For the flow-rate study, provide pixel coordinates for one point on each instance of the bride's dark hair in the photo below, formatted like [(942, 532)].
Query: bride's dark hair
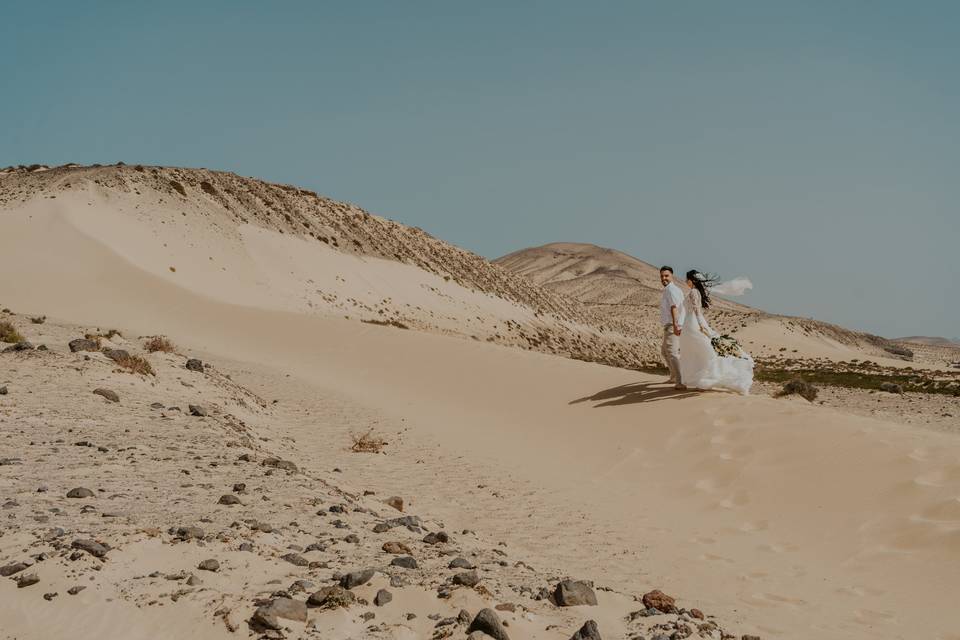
[(702, 282)]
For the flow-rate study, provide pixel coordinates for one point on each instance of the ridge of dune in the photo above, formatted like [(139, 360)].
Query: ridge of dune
[(251, 242)]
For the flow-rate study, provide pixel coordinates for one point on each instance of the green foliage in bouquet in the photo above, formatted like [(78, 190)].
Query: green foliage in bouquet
[(726, 346)]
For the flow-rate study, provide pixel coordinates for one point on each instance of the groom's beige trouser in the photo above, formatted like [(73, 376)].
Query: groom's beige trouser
[(671, 351)]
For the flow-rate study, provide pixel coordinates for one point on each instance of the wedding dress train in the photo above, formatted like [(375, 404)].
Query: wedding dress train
[(700, 366)]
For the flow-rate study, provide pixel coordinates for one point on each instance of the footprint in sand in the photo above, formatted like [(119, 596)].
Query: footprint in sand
[(775, 600), (753, 527)]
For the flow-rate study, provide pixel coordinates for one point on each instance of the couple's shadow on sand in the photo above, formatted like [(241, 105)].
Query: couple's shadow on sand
[(635, 393)]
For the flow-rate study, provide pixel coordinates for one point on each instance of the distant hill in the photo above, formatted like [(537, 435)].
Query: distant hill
[(932, 341)]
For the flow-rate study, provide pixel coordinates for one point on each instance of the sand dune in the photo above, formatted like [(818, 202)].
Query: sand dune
[(782, 518)]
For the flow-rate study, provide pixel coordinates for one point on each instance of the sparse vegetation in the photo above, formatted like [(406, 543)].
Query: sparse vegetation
[(9, 333), (868, 376), (800, 387), (159, 343), (38, 320), (135, 364), (367, 443)]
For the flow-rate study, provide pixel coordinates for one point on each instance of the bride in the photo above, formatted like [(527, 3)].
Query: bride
[(700, 366)]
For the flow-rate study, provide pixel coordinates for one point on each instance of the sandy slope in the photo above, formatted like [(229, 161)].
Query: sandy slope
[(792, 520)]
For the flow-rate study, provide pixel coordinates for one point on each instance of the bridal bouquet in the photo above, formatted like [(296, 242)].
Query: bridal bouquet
[(726, 346)]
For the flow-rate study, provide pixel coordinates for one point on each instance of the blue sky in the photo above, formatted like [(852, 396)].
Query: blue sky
[(813, 147)]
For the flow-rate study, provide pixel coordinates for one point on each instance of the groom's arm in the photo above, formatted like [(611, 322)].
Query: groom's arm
[(673, 314)]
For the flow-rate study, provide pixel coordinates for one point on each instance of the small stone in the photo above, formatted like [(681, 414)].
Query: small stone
[(696, 613), (197, 410), (396, 548), (209, 565), (187, 533), (660, 601), (332, 597), (92, 547), (467, 579), (277, 463), (239, 487), (460, 563), (194, 364), (76, 589), (80, 492), (356, 578), (83, 344), (110, 395), (589, 631), (396, 502), (437, 537), (50, 596), (20, 346), (266, 615), (3, 391), (10, 569), (26, 580), (295, 559), (404, 562), (383, 597), (228, 499), (571, 593), (486, 621)]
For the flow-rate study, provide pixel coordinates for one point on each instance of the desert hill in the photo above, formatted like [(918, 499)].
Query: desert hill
[(624, 292)]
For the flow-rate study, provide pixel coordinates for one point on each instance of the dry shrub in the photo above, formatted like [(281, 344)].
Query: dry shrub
[(38, 320), (97, 337), (367, 443), (135, 364), (800, 387), (159, 343), (9, 333)]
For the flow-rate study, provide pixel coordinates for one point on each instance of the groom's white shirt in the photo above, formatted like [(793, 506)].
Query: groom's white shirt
[(672, 296)]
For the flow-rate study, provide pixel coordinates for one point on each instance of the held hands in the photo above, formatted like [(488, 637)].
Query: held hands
[(676, 330)]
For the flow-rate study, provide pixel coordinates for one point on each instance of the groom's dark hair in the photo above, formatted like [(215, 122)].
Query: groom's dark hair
[(666, 268)]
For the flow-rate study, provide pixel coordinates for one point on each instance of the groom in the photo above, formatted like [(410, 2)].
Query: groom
[(671, 317)]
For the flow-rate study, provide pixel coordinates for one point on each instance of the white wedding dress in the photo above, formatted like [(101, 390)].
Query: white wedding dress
[(700, 366)]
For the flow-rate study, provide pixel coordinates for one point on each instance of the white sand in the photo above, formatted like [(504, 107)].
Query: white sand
[(788, 519)]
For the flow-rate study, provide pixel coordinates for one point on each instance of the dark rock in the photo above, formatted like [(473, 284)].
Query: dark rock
[(228, 499), (117, 354), (156, 405), (83, 344), (195, 365), (92, 547), (26, 580), (3, 391), (467, 579), (75, 590), (396, 502), (80, 492), (405, 562), (197, 410), (356, 578), (487, 622), (436, 537), (571, 593), (239, 487), (209, 565), (108, 394), (50, 596), (20, 346), (383, 597), (10, 569), (891, 387), (460, 563), (352, 538), (589, 631), (295, 559)]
